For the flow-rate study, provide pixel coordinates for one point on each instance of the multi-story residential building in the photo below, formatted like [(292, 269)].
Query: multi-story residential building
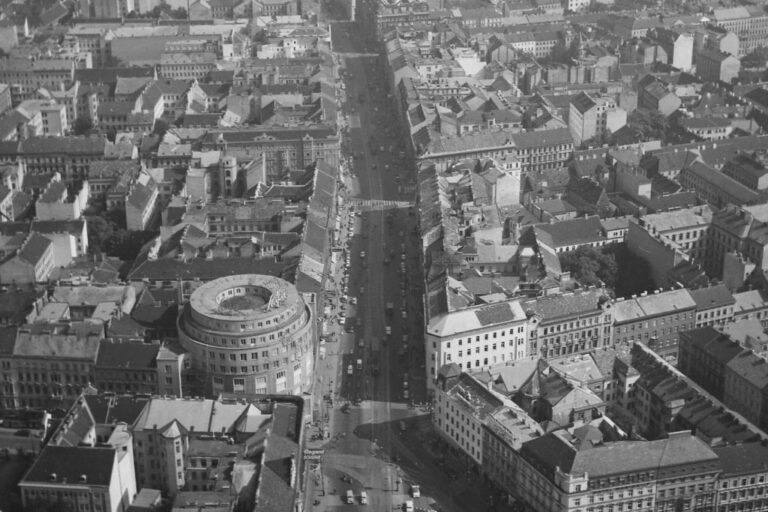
[(86, 479), (476, 338), (283, 148), (569, 235), (543, 150), (747, 170), (56, 202), (714, 305), (31, 263), (749, 22), (743, 480), (655, 320), (678, 46), (504, 432), (140, 202), (187, 66), (571, 323), (746, 387), (591, 117), (127, 368), (184, 445), (69, 156), (388, 16), (51, 363), (715, 187), (717, 66), (653, 94), (93, 39), (275, 7), (708, 128), (26, 76), (461, 404), (563, 471), (737, 229), (686, 227), (750, 305), (703, 356)]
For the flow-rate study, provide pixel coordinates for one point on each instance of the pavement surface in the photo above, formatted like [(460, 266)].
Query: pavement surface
[(371, 430)]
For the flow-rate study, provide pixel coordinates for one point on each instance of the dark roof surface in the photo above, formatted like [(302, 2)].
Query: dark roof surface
[(69, 464)]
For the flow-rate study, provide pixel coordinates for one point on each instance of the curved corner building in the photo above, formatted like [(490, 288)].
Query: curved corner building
[(249, 333)]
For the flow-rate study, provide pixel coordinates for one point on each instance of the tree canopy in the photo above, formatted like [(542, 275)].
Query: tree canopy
[(648, 124), (591, 266)]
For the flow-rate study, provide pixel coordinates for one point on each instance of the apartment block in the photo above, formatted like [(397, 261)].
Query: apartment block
[(656, 319), (571, 323), (478, 337)]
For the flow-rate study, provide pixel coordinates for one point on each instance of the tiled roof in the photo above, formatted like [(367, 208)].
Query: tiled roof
[(583, 102), (127, 356), (733, 188), (141, 195), (63, 145), (558, 306), (34, 248), (742, 459), (61, 464), (556, 450), (570, 232), (712, 297), (54, 192), (752, 368)]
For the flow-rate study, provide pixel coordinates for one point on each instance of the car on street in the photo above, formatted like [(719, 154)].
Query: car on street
[(362, 254), (405, 394), (405, 314), (416, 491), (387, 330), (350, 370), (362, 290), (359, 364)]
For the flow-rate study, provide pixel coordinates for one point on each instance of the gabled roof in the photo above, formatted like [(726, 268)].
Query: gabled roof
[(570, 232), (127, 356), (34, 248), (69, 464), (712, 297), (583, 103)]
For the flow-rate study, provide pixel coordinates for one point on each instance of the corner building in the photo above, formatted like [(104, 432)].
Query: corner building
[(248, 333)]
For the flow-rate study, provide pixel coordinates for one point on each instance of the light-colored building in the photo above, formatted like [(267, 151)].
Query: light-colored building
[(714, 305), (686, 227), (656, 320), (86, 479), (571, 323), (56, 203), (32, 263), (140, 203), (591, 116), (476, 338), (248, 334), (574, 471)]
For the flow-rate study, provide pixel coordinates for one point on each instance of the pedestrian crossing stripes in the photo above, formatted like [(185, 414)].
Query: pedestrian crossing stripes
[(378, 204)]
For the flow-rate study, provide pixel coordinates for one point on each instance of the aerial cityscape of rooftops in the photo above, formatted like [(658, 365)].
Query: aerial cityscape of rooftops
[(387, 255)]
